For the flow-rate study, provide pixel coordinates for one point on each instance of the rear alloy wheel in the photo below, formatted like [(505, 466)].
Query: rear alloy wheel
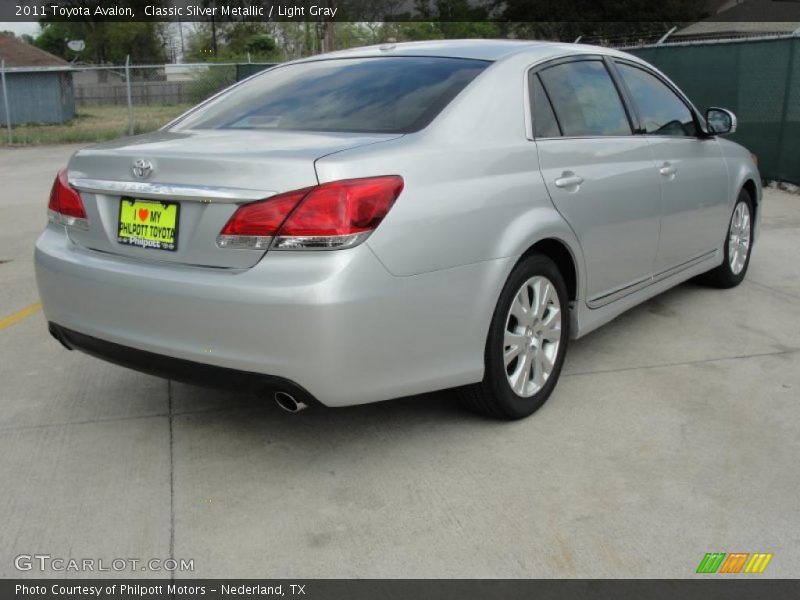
[(738, 246), (532, 336), (526, 344)]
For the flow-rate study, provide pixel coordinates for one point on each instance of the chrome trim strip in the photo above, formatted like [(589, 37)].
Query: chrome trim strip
[(173, 191), (526, 98), (620, 293), (134, 260)]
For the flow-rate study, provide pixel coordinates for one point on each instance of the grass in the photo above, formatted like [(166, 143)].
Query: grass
[(94, 124)]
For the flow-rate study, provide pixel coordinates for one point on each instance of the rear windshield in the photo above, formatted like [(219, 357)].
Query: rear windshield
[(375, 95)]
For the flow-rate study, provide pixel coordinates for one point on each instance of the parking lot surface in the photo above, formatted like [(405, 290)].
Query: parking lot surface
[(675, 431)]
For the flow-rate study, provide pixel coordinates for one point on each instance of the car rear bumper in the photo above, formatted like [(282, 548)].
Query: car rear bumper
[(177, 369), (336, 324)]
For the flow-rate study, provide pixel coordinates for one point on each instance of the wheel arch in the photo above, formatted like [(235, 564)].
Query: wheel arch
[(564, 258), (751, 188)]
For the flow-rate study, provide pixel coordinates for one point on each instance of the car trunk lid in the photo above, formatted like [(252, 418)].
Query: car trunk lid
[(206, 174)]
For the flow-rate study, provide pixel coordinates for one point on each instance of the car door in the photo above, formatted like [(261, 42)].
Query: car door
[(600, 176), (693, 175)]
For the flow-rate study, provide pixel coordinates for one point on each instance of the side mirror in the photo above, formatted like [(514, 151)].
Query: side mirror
[(720, 120)]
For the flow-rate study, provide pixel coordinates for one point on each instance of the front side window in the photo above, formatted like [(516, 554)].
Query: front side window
[(661, 111), (585, 99), (375, 95)]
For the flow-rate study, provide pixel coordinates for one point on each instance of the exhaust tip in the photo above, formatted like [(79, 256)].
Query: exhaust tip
[(288, 402)]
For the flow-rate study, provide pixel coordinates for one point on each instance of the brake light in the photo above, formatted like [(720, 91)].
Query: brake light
[(335, 215), (254, 225), (65, 206)]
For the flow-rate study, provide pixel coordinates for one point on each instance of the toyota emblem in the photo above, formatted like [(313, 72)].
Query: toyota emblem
[(142, 168)]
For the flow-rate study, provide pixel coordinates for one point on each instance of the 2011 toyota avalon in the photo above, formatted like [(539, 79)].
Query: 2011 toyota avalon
[(391, 220)]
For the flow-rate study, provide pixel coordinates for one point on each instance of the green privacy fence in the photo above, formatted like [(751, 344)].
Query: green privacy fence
[(245, 70), (757, 79)]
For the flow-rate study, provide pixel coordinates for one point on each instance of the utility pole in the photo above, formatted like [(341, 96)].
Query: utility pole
[(213, 4), (180, 32), (329, 29), (213, 36)]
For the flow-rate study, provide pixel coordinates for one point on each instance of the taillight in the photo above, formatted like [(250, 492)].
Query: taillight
[(335, 215), (65, 206), (254, 225)]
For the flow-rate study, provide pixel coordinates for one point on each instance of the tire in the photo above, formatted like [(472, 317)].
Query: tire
[(543, 342), (733, 270)]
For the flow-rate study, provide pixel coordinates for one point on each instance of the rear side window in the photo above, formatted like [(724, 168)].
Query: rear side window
[(585, 99), (544, 119), (661, 111), (376, 95)]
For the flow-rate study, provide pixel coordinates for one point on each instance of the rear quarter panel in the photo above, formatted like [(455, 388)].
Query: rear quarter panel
[(473, 191)]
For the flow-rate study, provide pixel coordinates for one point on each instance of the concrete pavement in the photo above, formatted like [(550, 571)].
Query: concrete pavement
[(675, 431)]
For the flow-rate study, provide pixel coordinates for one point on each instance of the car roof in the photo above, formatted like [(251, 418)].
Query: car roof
[(492, 50)]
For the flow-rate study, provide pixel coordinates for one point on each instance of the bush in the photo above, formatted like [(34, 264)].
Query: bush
[(207, 83)]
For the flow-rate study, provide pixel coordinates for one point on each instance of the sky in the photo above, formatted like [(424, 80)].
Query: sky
[(20, 28)]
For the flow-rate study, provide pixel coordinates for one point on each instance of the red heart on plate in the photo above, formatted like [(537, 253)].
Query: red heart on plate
[(143, 212)]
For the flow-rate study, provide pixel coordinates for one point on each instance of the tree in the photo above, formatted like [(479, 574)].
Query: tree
[(599, 11), (599, 21), (106, 41), (234, 41)]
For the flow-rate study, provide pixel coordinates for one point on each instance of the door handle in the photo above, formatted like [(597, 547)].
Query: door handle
[(568, 180), (668, 170)]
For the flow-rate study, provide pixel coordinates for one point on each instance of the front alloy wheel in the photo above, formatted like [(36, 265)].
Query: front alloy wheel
[(739, 238), (737, 248)]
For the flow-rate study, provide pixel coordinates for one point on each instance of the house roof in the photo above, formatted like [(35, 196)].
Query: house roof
[(17, 53), (758, 10), (737, 29), (747, 17), (712, 7)]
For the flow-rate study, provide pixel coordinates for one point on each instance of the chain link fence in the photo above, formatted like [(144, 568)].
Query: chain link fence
[(759, 79), (96, 103)]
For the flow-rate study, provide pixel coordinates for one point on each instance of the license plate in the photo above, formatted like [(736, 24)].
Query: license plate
[(148, 224)]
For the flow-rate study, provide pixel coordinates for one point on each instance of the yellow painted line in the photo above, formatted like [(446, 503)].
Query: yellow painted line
[(19, 315)]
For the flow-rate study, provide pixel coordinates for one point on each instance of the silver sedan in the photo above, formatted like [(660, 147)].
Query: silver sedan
[(386, 221)]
